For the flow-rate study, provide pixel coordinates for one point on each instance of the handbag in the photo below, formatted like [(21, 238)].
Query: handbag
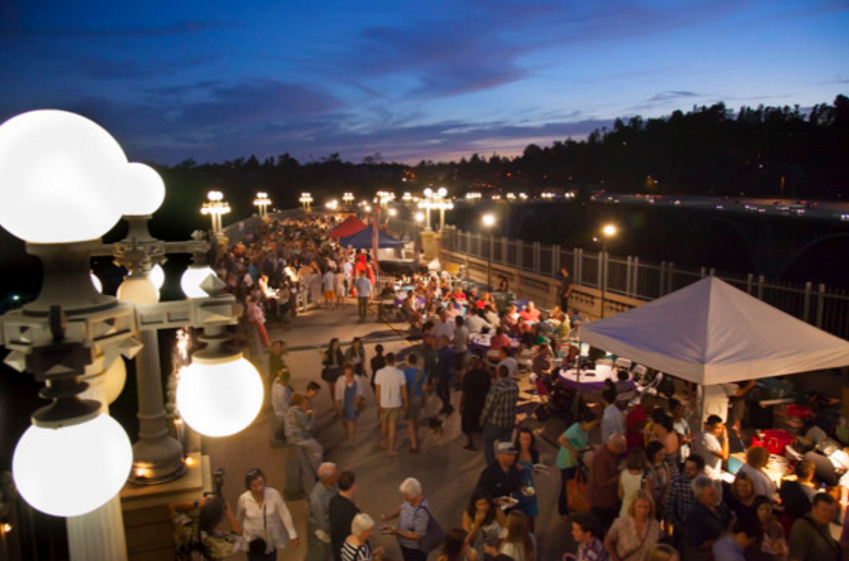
[(576, 493), (360, 404), (434, 534)]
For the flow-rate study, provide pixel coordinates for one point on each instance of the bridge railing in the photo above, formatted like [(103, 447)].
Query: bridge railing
[(632, 278)]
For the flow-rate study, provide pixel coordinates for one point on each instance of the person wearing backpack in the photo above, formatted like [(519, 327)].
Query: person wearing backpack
[(418, 532)]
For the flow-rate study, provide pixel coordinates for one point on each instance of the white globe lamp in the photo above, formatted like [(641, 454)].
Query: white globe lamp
[(72, 470), (138, 290), (144, 190), (192, 278), (58, 177), (219, 396)]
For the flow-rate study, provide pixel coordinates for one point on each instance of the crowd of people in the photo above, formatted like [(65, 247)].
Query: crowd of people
[(649, 489)]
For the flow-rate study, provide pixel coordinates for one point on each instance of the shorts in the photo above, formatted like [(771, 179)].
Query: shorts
[(459, 361), (389, 415), (737, 408), (329, 295), (415, 410)]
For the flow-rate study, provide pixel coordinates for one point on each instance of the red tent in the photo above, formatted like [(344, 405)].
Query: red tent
[(349, 227)]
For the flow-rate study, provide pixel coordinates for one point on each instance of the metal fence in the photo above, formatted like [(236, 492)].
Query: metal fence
[(827, 309)]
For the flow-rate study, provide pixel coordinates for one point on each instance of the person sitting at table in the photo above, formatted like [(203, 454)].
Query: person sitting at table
[(476, 322), (509, 319), (409, 311), (563, 330), (531, 313), (542, 368), (499, 339), (544, 326), (490, 315), (521, 327)]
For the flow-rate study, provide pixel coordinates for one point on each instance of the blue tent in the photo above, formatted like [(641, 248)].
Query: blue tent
[(362, 240)]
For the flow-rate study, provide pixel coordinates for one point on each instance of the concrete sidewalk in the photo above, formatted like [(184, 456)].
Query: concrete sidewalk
[(448, 473)]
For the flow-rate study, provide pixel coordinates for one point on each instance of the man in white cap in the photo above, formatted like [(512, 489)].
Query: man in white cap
[(501, 478)]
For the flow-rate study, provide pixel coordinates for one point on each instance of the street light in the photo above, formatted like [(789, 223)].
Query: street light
[(306, 200), (64, 182), (261, 202), (608, 231), (435, 200), (348, 199), (488, 220), (215, 207)]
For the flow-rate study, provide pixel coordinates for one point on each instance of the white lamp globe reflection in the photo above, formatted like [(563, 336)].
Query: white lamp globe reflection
[(72, 470), (157, 276), (96, 283), (219, 397), (192, 278), (58, 177), (138, 290)]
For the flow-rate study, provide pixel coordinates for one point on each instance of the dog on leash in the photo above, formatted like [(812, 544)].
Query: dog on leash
[(435, 424)]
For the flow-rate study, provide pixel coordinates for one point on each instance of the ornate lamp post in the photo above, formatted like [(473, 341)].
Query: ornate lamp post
[(215, 207), (261, 202), (64, 182), (306, 200), (608, 231), (488, 220), (348, 199)]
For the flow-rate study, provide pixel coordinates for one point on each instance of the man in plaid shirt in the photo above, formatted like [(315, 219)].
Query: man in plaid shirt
[(680, 498), (499, 413)]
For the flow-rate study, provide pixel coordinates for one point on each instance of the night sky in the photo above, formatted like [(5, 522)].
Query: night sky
[(436, 80)]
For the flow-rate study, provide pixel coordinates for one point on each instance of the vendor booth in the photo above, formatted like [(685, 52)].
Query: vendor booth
[(712, 333), (349, 227)]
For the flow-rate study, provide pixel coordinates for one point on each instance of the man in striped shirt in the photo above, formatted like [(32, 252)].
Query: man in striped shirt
[(499, 412)]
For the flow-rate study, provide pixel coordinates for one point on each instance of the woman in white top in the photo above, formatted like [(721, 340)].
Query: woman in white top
[(264, 515), (633, 478), (519, 544), (757, 459)]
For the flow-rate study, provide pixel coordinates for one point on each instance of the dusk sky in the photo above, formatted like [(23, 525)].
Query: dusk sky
[(438, 80)]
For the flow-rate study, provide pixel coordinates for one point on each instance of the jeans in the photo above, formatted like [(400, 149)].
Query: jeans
[(491, 434), (563, 500), (362, 307)]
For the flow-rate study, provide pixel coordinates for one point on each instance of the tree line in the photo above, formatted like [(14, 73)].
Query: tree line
[(763, 151)]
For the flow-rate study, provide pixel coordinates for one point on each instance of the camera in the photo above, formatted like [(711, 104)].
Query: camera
[(217, 484)]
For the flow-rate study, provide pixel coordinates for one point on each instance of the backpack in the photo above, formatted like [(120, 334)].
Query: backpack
[(434, 534)]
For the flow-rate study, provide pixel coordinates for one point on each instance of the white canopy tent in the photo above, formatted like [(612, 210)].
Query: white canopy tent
[(712, 333)]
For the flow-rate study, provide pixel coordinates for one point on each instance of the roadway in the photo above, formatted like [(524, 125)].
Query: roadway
[(448, 473)]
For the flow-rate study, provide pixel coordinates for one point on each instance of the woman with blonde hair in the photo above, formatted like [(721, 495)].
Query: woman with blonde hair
[(757, 458), (633, 535), (741, 498), (520, 544)]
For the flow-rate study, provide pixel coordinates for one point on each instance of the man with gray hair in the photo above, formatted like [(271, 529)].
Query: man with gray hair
[(318, 534), (707, 520), (603, 484)]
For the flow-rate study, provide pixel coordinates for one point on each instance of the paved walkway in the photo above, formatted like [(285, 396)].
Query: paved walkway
[(448, 473)]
